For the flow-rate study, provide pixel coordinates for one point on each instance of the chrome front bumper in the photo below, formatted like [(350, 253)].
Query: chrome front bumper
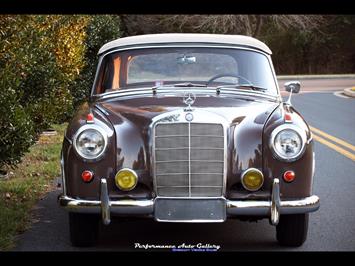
[(272, 208)]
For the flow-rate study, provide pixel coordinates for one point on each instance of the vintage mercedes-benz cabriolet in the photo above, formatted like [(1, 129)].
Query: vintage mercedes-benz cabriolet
[(188, 128)]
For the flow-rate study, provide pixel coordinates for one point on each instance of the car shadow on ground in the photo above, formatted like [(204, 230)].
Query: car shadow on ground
[(133, 235)]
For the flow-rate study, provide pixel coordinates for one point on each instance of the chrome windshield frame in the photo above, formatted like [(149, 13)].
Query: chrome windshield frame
[(102, 56)]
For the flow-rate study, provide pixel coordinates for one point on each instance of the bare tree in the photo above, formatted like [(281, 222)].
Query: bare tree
[(250, 25)]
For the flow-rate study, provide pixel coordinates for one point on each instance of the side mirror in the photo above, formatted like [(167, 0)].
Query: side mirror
[(293, 86)]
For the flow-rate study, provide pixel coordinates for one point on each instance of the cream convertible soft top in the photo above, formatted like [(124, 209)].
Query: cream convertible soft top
[(186, 38)]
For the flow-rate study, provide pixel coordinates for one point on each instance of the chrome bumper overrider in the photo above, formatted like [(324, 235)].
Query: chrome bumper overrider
[(269, 208)]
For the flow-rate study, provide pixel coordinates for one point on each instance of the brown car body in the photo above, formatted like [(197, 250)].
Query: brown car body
[(127, 118)]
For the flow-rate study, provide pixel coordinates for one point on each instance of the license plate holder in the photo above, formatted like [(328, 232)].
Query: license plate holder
[(190, 210)]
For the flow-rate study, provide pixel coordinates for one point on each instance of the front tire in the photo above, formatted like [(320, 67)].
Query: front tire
[(83, 229), (292, 229)]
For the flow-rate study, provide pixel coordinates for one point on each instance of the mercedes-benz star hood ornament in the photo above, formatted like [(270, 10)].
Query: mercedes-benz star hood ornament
[(189, 99)]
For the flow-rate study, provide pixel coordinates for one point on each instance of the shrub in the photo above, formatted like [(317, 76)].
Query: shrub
[(40, 58), (16, 127), (58, 52), (100, 29)]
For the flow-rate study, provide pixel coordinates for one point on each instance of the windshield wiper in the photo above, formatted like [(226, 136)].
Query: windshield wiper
[(181, 85), (237, 86), (188, 84)]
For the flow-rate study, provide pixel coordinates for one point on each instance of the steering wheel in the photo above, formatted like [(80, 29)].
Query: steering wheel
[(228, 75)]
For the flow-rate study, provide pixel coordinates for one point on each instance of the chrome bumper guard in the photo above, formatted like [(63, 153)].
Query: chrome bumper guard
[(272, 208)]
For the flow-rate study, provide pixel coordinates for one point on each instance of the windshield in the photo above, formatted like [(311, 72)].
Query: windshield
[(149, 67)]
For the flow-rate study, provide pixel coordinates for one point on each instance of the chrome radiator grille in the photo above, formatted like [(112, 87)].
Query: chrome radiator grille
[(189, 159)]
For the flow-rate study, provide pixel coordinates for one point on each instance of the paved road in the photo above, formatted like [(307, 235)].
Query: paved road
[(332, 228), (322, 85)]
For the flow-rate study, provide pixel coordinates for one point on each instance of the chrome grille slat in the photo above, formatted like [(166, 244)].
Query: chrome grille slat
[(185, 148), (188, 173), (191, 186), (171, 161), (189, 159), (169, 136)]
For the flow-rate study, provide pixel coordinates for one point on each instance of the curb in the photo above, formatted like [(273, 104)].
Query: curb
[(349, 92), (339, 76)]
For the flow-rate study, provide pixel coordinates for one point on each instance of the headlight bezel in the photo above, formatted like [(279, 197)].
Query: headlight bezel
[(299, 131), (90, 127)]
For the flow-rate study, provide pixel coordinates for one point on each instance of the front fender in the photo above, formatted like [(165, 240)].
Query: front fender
[(74, 165), (273, 168)]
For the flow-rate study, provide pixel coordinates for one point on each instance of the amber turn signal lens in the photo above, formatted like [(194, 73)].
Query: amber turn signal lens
[(87, 176), (289, 176), (126, 179), (252, 179)]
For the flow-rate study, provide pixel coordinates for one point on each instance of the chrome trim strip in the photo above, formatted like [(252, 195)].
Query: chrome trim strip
[(102, 110), (105, 202), (275, 202), (67, 139), (313, 166), (63, 173), (310, 138), (173, 92)]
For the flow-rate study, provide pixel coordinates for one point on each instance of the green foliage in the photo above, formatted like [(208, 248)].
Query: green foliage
[(16, 126), (47, 67), (100, 30), (40, 57)]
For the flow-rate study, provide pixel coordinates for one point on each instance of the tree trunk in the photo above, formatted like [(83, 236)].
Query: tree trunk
[(123, 25), (259, 21)]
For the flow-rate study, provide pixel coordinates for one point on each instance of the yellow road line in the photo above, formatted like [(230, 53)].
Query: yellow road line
[(335, 147), (336, 140)]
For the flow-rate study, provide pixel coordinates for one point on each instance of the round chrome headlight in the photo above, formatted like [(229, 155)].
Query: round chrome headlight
[(90, 142), (288, 142)]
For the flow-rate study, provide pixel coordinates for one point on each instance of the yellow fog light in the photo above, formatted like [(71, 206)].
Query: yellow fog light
[(252, 179), (126, 179)]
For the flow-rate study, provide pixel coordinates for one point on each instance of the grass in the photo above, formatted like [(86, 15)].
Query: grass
[(27, 184)]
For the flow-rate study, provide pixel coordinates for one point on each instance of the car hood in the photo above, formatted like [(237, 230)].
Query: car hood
[(142, 110)]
